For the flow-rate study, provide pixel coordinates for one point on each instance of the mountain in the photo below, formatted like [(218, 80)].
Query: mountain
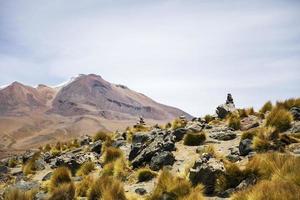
[(30, 116)]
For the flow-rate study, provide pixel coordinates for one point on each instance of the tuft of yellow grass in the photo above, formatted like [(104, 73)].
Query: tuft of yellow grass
[(86, 168), (194, 139), (280, 119)]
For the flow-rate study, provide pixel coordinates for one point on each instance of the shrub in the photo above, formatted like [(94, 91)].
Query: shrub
[(178, 123), (55, 152), (116, 169), (196, 193), (12, 162), (145, 174), (108, 188), (101, 135), (264, 139), (280, 119), (266, 107), (243, 113), (175, 186), (16, 194), (208, 118), (270, 190), (60, 176), (86, 168), (288, 104), (83, 187), (248, 134), (30, 166), (112, 154), (234, 122), (65, 191), (47, 148), (194, 139)]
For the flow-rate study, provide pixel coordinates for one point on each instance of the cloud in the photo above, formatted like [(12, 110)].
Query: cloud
[(183, 53)]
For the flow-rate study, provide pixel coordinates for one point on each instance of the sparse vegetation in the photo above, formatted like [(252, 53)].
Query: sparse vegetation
[(145, 174), (108, 188), (112, 154), (288, 104), (280, 119), (117, 168), (264, 139), (234, 122), (12, 162), (266, 107), (61, 175), (31, 166), (83, 187), (101, 135), (208, 118), (243, 113), (194, 139), (17, 194), (178, 123), (210, 150), (86, 168), (177, 187), (65, 191), (248, 134)]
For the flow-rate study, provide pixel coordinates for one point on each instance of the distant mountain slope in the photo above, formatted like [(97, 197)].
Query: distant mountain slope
[(90, 94), (31, 116)]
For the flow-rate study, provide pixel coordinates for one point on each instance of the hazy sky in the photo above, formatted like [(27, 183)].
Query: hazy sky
[(183, 53)]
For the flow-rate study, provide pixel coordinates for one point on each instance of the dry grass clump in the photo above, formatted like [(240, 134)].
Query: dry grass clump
[(289, 103), (279, 118), (60, 176), (194, 139), (266, 107), (210, 149), (208, 118), (86, 168), (270, 190), (16, 194), (111, 154), (264, 139), (117, 169), (83, 187), (234, 122), (12, 162), (107, 188), (178, 123), (248, 134), (145, 174), (279, 175), (30, 166), (65, 191), (177, 187), (243, 113), (101, 135), (233, 176)]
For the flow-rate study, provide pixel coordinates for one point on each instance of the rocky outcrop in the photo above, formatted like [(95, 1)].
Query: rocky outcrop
[(295, 112), (245, 147), (145, 146), (206, 170), (222, 133), (223, 110), (161, 159)]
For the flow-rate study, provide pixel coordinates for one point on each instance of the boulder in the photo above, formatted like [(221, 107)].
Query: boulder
[(47, 176), (27, 185), (223, 110), (3, 169), (96, 147), (27, 156), (179, 133), (143, 150), (162, 159), (140, 191), (224, 135), (85, 140), (295, 112), (245, 147), (206, 170), (140, 138)]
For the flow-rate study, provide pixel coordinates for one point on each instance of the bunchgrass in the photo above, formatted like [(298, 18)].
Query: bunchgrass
[(194, 139)]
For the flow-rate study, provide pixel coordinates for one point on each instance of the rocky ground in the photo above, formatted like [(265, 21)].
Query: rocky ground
[(155, 147)]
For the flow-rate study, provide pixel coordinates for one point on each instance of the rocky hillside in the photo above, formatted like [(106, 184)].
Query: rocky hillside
[(234, 154), (33, 116)]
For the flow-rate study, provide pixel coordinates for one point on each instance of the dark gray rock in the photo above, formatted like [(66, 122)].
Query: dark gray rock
[(140, 138), (223, 110), (141, 191), (245, 147), (162, 159), (27, 156), (179, 133), (206, 170), (135, 150), (96, 147), (47, 176), (295, 112), (26, 185), (85, 140), (3, 169)]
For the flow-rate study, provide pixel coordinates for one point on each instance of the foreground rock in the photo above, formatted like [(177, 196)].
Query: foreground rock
[(223, 110), (205, 171), (157, 144), (245, 147)]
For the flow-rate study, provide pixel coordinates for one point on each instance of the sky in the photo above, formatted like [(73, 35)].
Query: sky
[(184, 53)]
